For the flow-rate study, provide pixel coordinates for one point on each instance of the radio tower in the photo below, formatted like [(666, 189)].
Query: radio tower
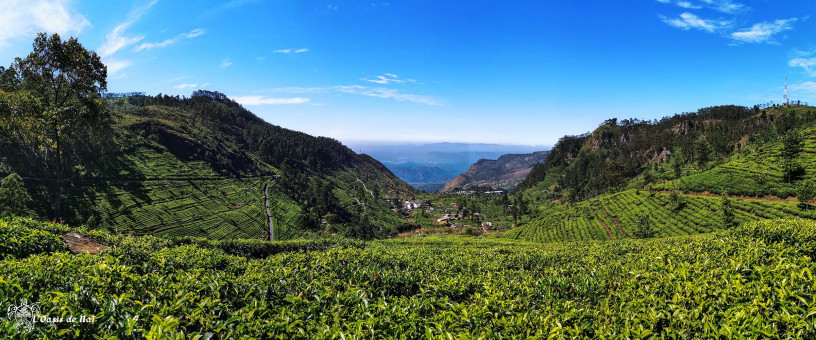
[(785, 96)]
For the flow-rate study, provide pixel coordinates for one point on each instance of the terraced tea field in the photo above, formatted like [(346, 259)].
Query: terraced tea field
[(614, 216), (757, 171)]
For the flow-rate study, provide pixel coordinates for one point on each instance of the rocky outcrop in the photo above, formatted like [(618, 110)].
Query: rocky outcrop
[(505, 173)]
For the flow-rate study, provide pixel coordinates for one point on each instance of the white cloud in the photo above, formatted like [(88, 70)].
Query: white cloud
[(292, 50), (192, 34), (116, 65), (804, 90), (116, 40), (764, 31), (388, 78), (725, 6), (381, 92), (25, 18), (185, 86), (688, 5), (262, 100), (808, 64), (226, 63), (689, 21)]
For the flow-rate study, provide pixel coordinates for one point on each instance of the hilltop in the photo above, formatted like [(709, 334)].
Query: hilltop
[(505, 172)]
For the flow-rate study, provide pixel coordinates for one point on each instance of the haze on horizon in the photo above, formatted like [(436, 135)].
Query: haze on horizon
[(520, 73)]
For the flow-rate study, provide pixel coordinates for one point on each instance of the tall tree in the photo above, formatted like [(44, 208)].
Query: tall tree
[(13, 196), (59, 106), (792, 145)]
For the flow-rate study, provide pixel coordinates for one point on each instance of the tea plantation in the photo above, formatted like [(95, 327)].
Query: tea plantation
[(614, 216), (752, 281)]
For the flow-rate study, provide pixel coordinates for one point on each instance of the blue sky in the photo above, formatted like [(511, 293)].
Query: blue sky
[(511, 72)]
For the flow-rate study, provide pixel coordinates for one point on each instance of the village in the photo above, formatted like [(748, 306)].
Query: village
[(460, 212)]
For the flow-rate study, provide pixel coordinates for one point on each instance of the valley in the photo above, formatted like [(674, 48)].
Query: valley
[(172, 217)]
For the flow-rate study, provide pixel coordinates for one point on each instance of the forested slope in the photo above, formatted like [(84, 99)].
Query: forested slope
[(198, 166)]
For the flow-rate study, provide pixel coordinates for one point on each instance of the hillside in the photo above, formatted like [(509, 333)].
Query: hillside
[(635, 154), (605, 184), (505, 172), (615, 216), (452, 287), (205, 166)]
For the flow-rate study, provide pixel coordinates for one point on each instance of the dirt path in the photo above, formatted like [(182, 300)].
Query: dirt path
[(614, 219), (365, 188), (268, 212), (608, 231)]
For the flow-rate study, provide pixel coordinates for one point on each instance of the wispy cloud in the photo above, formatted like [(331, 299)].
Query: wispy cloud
[(192, 34), (115, 65), (226, 63), (116, 39), (805, 89), (191, 86), (292, 50), (381, 92), (725, 6), (24, 18), (763, 32), (262, 100), (805, 61), (378, 92), (388, 78), (688, 21)]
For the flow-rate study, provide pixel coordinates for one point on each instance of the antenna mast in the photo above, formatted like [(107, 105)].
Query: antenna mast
[(785, 96)]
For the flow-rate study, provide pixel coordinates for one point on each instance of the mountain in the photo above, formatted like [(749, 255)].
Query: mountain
[(505, 172), (429, 166), (205, 166)]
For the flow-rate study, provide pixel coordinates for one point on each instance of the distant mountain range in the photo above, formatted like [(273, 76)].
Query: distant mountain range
[(429, 167), (506, 172)]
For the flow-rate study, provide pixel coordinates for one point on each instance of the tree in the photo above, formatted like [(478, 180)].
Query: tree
[(13, 196), (677, 167), (58, 110), (702, 150), (727, 212), (643, 228), (676, 201), (806, 192), (792, 145)]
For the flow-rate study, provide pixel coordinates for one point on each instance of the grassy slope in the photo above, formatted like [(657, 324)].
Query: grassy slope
[(753, 281)]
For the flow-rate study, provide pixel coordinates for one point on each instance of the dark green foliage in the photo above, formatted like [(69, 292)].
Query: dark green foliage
[(702, 151), (727, 212), (806, 192), (13, 196), (644, 228), (792, 145), (676, 202), (55, 128)]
